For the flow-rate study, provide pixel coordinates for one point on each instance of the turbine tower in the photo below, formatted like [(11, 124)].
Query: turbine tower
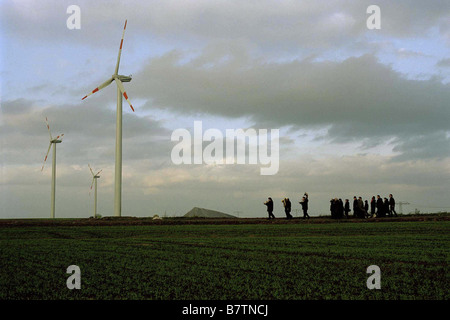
[(119, 79), (94, 182), (53, 188)]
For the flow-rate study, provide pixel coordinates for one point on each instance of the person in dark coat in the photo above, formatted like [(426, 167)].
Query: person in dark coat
[(373, 205), (355, 207), (361, 213), (341, 209), (347, 207), (366, 208), (392, 205), (332, 209), (380, 207), (386, 207), (304, 204), (269, 204), (287, 207)]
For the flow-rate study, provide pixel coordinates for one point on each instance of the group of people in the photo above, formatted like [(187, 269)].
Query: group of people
[(287, 207), (378, 207)]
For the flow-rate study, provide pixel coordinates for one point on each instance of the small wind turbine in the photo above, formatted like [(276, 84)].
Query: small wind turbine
[(94, 182), (120, 91), (52, 142)]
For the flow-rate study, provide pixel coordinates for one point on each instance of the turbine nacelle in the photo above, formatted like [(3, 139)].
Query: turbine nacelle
[(122, 78)]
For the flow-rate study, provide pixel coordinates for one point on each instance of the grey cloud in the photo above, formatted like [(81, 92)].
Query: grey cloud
[(436, 146), (357, 99), (444, 63), (268, 23), (89, 133)]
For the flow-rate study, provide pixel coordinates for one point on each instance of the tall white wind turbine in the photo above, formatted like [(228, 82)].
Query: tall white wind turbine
[(119, 79), (95, 176), (52, 142)]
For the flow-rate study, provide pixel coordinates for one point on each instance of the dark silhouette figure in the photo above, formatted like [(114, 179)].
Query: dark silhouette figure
[(386, 207), (392, 205), (361, 212), (347, 207), (355, 207), (340, 209), (332, 209), (304, 204), (287, 207), (373, 205), (269, 204), (380, 207), (366, 208)]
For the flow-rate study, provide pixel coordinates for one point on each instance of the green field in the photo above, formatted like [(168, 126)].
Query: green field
[(297, 261)]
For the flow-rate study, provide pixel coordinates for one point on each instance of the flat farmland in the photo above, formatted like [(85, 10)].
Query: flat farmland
[(208, 259)]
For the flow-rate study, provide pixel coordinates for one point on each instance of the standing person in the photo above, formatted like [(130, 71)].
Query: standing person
[(346, 207), (361, 208), (340, 209), (373, 204), (366, 208), (304, 204), (392, 204), (269, 204), (380, 207), (386, 207), (355, 207), (287, 207), (332, 209)]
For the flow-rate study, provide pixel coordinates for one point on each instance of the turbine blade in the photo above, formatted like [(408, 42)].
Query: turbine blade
[(91, 170), (48, 128), (100, 87), (91, 186), (98, 172), (120, 49), (49, 146), (60, 136), (124, 93)]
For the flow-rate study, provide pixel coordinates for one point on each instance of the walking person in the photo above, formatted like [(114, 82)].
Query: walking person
[(392, 205), (332, 209), (380, 207), (373, 205), (355, 207), (386, 207), (269, 204), (361, 213), (347, 207), (287, 207), (366, 208), (304, 204)]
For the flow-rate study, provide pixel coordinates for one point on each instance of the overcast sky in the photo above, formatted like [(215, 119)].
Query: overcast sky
[(360, 112)]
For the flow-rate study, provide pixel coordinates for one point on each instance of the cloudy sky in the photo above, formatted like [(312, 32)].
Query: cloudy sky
[(360, 112)]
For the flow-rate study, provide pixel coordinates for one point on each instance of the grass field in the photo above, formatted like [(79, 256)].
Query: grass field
[(296, 260)]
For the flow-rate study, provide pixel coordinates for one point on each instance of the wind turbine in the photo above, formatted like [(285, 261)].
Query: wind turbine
[(52, 142), (119, 79), (94, 181)]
